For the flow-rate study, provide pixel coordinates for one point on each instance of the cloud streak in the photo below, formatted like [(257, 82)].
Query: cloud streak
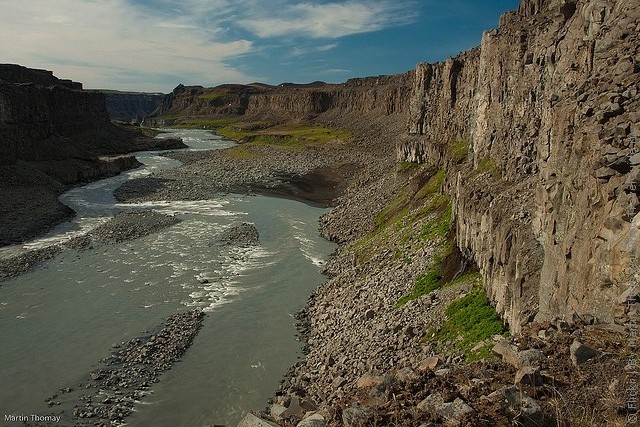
[(79, 38), (144, 44), (329, 20)]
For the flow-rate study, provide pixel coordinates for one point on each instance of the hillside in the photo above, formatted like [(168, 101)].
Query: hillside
[(54, 134)]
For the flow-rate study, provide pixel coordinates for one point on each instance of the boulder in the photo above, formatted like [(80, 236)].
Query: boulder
[(369, 380), (313, 420), (251, 420), (355, 416), (580, 353), (528, 375), (430, 363)]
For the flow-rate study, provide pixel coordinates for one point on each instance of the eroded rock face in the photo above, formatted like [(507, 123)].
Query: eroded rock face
[(550, 100)]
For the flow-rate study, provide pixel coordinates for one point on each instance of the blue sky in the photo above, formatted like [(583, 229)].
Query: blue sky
[(153, 45)]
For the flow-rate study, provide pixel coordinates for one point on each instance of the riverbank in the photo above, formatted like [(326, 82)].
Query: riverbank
[(32, 188)]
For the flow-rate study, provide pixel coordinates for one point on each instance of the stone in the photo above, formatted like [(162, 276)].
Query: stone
[(314, 420), (338, 382), (406, 375), (430, 363), (355, 416), (276, 410), (529, 357), (251, 420), (528, 375), (455, 410), (369, 380), (442, 372), (527, 410), (581, 353), (298, 408), (431, 403)]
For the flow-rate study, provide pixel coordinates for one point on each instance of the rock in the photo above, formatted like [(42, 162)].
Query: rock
[(515, 358), (276, 411), (580, 353), (455, 410), (529, 357), (431, 403), (338, 382), (355, 416), (245, 234), (528, 411), (251, 420), (298, 408), (528, 375), (442, 372), (313, 420), (369, 380), (506, 352), (430, 363), (406, 375)]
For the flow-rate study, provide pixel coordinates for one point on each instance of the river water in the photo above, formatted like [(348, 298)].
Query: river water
[(58, 321)]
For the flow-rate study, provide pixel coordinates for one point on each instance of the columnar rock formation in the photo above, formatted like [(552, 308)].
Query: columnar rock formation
[(547, 108), (550, 102)]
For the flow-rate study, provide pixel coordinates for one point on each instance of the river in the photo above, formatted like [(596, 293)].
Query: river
[(58, 321)]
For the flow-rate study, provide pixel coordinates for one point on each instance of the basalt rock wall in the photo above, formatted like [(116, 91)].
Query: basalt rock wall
[(131, 106), (382, 95), (547, 203), (32, 116), (385, 95)]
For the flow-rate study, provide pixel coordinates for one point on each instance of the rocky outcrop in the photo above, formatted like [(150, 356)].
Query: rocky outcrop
[(54, 134), (19, 74), (384, 95), (548, 108), (131, 106)]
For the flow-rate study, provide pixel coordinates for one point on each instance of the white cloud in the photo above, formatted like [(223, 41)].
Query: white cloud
[(329, 20), (152, 44), (95, 42)]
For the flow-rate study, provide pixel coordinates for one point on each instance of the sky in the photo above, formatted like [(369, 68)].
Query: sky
[(154, 45)]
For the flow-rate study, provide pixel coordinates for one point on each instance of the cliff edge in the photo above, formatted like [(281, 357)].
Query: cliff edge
[(547, 109)]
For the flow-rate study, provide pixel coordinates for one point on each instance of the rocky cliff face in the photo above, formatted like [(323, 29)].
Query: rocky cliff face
[(384, 95), (52, 134), (128, 106), (32, 116), (548, 107)]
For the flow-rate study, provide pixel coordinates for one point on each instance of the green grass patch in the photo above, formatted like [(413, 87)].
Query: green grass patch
[(215, 99), (459, 150), (150, 132), (470, 320), (242, 152), (407, 166), (433, 186), (487, 165), (441, 224), (426, 283), (202, 122), (290, 136)]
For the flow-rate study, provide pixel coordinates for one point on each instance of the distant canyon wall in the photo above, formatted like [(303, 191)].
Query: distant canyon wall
[(33, 113), (384, 95), (548, 105)]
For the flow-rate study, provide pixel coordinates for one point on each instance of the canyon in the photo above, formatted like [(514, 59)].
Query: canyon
[(53, 135), (529, 142), (537, 129)]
